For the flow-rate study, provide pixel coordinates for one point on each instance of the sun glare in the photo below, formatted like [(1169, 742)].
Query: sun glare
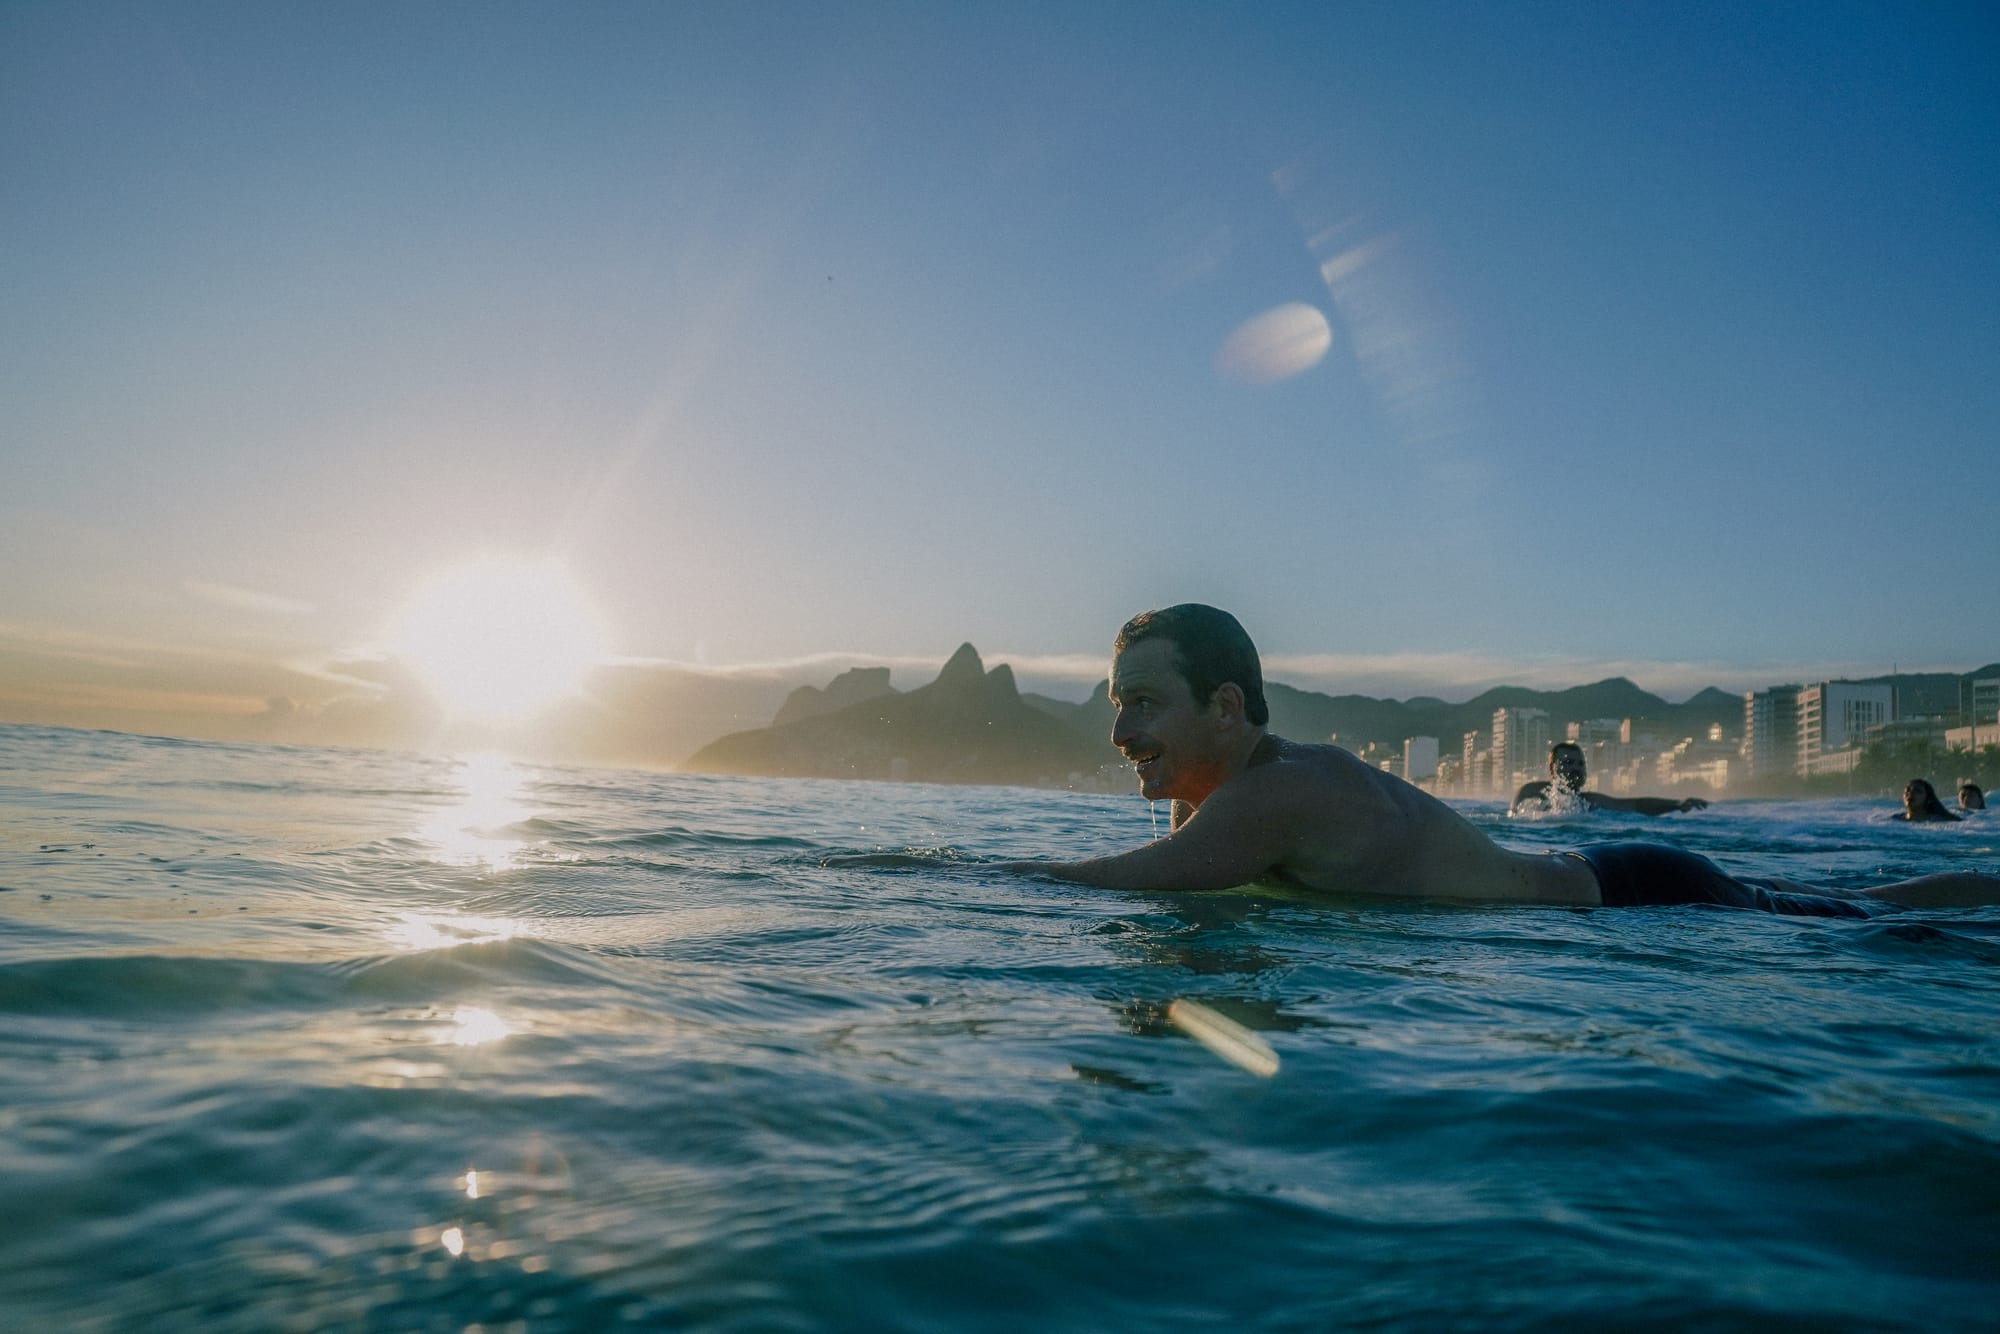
[(499, 640)]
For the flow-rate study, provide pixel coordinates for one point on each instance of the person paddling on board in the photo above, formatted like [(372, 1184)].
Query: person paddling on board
[(1566, 775), (1249, 805)]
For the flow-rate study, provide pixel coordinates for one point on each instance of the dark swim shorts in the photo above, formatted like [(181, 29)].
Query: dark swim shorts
[(1633, 875)]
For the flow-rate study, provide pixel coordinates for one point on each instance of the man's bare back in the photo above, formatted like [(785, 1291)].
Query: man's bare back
[(1333, 823)]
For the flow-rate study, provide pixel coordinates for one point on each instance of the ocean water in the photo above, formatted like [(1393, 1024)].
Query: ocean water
[(302, 1039)]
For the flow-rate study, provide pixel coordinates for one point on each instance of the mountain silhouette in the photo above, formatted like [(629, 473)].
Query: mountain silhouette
[(969, 725), (855, 686)]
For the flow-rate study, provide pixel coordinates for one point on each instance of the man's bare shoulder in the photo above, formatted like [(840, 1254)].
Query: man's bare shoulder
[(1295, 771), (1302, 759)]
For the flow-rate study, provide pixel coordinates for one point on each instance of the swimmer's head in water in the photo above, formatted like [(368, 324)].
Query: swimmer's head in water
[(1920, 799), (1566, 767), (1970, 798), (1212, 648)]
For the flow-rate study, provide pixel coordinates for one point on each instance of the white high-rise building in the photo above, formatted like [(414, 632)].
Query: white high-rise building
[(1985, 702), (1771, 731), (1979, 714), (1595, 730), (1834, 718), (1520, 745)]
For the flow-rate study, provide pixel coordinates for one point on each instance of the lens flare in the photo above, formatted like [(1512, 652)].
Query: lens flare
[(1278, 344), (499, 641)]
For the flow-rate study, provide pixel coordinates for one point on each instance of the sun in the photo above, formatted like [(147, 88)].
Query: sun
[(499, 640)]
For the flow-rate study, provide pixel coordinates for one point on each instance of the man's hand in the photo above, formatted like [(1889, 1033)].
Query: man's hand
[(1597, 801)]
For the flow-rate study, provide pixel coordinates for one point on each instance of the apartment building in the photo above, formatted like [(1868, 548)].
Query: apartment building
[(1520, 745), (1833, 721), (1771, 731)]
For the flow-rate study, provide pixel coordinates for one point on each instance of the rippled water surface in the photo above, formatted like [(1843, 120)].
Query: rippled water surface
[(321, 1040)]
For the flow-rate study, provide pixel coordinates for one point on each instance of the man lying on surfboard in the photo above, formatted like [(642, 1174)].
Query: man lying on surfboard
[(1249, 806)]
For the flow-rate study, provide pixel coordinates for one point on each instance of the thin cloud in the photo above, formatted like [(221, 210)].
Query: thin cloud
[(76, 645), (1089, 668), (68, 642), (133, 699), (58, 641), (1448, 675), (1085, 668), (779, 668), (246, 599)]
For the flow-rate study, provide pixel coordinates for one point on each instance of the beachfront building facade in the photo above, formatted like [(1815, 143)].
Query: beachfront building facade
[(1709, 760), (1981, 714), (1597, 731), (1788, 731), (1833, 721), (1472, 775), (1771, 731), (1985, 693), (1520, 746)]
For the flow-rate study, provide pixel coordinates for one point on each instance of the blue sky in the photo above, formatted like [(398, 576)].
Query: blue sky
[(1663, 338)]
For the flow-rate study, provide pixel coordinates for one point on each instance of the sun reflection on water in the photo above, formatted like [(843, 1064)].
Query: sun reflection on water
[(474, 1026), (415, 931), (476, 830), (492, 1228)]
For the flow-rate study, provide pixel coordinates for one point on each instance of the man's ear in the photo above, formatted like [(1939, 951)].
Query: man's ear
[(1228, 701)]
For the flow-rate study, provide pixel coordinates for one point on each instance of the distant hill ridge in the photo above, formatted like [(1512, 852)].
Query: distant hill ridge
[(854, 686), (971, 725), (968, 726), (1357, 720)]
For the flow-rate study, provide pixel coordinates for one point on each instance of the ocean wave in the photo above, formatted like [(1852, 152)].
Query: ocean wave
[(333, 1041)]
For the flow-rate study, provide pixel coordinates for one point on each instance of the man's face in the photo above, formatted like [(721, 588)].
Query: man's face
[(1174, 743), (1567, 769)]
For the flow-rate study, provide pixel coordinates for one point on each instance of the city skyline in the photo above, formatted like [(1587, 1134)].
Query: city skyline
[(1788, 731), (1448, 346)]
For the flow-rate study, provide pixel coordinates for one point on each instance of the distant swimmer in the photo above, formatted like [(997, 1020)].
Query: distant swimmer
[(1921, 804), (1566, 775), (1970, 798), (1251, 806)]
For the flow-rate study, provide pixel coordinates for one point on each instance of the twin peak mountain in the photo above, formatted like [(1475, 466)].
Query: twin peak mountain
[(968, 726)]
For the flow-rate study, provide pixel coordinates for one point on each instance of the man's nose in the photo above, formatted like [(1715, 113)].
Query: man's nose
[(1121, 731)]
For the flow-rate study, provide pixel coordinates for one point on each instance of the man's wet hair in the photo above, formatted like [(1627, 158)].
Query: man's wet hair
[(1212, 647), (1564, 745)]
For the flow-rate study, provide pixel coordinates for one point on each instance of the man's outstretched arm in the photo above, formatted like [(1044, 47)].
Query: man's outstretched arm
[(1643, 805), (1238, 836)]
